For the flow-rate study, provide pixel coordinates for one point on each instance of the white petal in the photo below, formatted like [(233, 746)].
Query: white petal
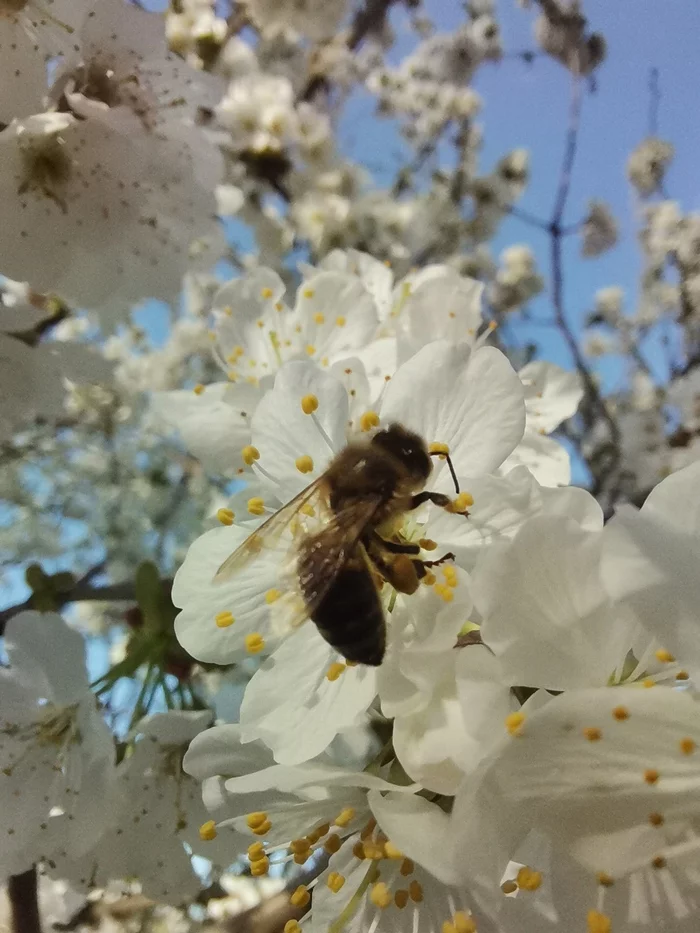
[(552, 394), (547, 459), (292, 706), (282, 432), (418, 828), (202, 600), (47, 655), (472, 402), (675, 500), (219, 750), (214, 426), (545, 614), (176, 727)]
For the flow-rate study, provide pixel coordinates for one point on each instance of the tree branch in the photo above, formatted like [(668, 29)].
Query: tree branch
[(24, 902), (81, 591)]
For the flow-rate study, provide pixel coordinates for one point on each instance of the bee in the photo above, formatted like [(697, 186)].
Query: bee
[(341, 567)]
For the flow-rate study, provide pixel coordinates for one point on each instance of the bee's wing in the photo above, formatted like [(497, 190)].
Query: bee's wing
[(323, 556), (268, 534)]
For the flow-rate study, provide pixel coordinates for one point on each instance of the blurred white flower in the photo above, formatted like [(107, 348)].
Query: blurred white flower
[(599, 231), (57, 754), (647, 165)]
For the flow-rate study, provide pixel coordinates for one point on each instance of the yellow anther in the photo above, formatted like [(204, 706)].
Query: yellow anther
[(369, 420), (649, 682), (605, 880), (461, 502), (263, 829), (324, 361), (373, 850), (332, 844), (358, 850), (279, 306), (212, 336), (527, 879), (621, 713), (317, 833), (304, 464), (309, 404), (344, 817), (428, 544), (407, 867), (223, 619), (225, 516), (514, 722), (682, 675), (401, 898), (250, 454), (238, 350), (308, 293), (310, 349), (656, 819), (257, 818), (260, 324), (335, 881), (380, 895), (308, 509), (301, 857), (256, 851), (448, 927), (463, 923), (392, 851), (688, 746), (300, 845), (664, 656), (272, 596), (260, 868), (232, 358), (340, 321), (291, 926), (334, 671), (319, 318), (351, 663), (256, 506), (415, 891), (266, 293), (444, 592), (254, 643), (207, 831), (429, 579), (592, 733), (253, 381), (450, 574), (651, 775), (300, 897), (198, 389), (437, 447), (508, 887), (231, 376), (658, 862), (228, 311), (598, 923)]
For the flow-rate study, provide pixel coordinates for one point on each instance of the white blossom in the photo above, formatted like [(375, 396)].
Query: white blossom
[(57, 754)]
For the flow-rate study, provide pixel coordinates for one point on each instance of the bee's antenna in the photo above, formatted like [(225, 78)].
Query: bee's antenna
[(444, 456)]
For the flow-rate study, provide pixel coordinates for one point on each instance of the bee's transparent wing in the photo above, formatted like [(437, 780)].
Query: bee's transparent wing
[(323, 556), (294, 518)]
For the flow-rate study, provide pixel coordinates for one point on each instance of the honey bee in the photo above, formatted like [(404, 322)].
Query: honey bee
[(341, 567)]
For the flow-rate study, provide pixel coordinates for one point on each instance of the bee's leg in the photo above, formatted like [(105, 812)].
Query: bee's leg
[(437, 498), (398, 569), (440, 560), (396, 548), (423, 566)]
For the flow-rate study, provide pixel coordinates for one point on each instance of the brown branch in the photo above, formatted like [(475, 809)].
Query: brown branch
[(81, 591), (23, 895)]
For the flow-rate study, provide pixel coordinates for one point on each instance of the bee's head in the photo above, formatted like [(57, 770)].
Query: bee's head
[(407, 447)]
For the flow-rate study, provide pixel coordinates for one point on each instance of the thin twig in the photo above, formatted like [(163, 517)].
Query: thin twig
[(654, 102), (82, 591), (595, 402), (23, 895)]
